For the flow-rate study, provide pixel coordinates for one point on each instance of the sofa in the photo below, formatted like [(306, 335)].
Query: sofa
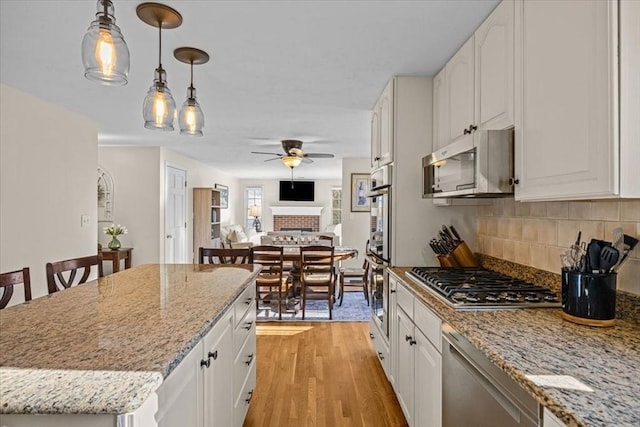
[(236, 236), (298, 237)]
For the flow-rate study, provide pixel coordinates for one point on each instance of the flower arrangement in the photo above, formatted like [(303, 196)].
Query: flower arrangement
[(116, 230)]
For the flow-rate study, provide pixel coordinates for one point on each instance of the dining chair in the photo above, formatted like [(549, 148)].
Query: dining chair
[(271, 284), (224, 256), (317, 276), (9, 280), (61, 275), (362, 280)]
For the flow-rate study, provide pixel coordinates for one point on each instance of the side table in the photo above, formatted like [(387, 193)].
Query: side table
[(116, 256)]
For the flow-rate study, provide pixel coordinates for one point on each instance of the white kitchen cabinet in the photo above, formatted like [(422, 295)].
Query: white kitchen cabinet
[(393, 331), (213, 384), (440, 111), (494, 69), (475, 89), (418, 360), (569, 139), (550, 420), (382, 128), (459, 73)]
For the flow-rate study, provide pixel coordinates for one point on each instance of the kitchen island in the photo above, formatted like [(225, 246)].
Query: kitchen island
[(529, 343), (106, 348)]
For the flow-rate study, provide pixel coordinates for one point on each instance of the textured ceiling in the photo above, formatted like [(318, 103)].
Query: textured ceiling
[(309, 70)]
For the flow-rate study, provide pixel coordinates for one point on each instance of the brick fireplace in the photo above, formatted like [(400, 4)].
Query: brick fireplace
[(305, 218)]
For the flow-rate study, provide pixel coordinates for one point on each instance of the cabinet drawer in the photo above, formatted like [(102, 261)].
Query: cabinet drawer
[(244, 399), (380, 346), (242, 304), (246, 326), (429, 324), (405, 299), (244, 361)]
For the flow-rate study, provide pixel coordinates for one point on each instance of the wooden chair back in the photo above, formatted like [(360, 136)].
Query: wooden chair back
[(271, 284), (62, 275), (317, 275), (9, 280), (225, 256)]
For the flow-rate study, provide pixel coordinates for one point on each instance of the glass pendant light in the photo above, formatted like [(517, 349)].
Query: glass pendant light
[(105, 54), (191, 119), (159, 108)]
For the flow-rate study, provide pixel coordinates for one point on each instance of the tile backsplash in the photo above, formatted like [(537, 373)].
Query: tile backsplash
[(537, 233)]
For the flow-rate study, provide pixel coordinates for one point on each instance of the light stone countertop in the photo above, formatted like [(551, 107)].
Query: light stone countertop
[(103, 347), (539, 342)]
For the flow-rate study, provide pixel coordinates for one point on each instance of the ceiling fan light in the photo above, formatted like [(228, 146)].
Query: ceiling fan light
[(159, 108), (291, 161), (105, 54)]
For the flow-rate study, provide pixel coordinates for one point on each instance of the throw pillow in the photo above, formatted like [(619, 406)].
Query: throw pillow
[(241, 236), (232, 236)]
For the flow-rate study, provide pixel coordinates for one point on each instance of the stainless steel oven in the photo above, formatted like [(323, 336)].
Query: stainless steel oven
[(379, 292), (380, 194)]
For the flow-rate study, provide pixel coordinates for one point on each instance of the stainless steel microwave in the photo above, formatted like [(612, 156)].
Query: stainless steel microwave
[(477, 165)]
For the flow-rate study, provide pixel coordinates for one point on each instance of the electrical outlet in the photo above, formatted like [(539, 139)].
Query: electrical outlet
[(84, 220)]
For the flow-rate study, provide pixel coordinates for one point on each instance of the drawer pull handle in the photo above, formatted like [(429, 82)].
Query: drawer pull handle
[(393, 291), (250, 396), (248, 362), (213, 355), (248, 301), (410, 339), (248, 326), (380, 356), (206, 363)]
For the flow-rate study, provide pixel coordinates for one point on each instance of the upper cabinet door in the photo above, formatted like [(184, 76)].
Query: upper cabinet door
[(375, 136), (494, 69), (566, 99), (440, 118), (460, 76), (386, 125)]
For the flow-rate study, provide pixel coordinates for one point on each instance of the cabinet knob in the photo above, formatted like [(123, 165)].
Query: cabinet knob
[(466, 131), (377, 158), (249, 359), (206, 363), (169, 236), (248, 326), (514, 181), (213, 355), (381, 356), (371, 335), (249, 397), (473, 128)]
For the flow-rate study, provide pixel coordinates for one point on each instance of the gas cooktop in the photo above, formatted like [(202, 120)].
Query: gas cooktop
[(477, 288)]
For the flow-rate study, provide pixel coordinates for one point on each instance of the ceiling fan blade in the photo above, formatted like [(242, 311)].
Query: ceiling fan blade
[(275, 158), (262, 152), (320, 155), (306, 160)]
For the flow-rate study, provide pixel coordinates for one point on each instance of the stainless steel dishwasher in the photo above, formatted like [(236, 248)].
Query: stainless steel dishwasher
[(477, 393)]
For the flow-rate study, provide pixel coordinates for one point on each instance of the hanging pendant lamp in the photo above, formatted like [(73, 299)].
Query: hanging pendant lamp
[(105, 54), (159, 108), (191, 119)]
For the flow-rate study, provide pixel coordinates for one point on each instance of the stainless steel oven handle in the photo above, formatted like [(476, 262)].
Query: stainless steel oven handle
[(510, 407)]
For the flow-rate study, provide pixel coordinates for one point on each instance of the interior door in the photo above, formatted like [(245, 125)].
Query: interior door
[(175, 248)]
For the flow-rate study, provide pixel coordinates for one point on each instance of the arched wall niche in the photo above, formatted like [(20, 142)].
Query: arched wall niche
[(105, 195)]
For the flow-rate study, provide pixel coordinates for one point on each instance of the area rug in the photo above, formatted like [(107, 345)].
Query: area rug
[(354, 309)]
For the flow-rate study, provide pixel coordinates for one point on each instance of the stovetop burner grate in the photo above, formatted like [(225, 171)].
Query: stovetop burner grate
[(477, 288)]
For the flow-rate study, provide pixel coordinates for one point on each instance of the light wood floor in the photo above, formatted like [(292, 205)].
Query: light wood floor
[(320, 374)]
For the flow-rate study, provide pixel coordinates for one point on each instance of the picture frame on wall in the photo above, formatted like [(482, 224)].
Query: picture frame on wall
[(224, 195), (359, 189)]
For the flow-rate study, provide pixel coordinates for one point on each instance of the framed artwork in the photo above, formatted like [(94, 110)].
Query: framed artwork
[(359, 189), (224, 196)]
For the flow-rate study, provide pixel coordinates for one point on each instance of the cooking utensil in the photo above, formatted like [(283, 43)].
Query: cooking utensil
[(608, 258), (617, 239), (629, 245), (593, 256)]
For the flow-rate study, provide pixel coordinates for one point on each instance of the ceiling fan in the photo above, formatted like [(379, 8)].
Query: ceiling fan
[(293, 154)]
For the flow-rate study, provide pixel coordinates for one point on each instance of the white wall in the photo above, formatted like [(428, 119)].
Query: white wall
[(136, 197), (270, 194), (355, 225), (48, 162)]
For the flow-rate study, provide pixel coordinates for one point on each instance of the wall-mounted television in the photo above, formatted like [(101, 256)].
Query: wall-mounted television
[(297, 191)]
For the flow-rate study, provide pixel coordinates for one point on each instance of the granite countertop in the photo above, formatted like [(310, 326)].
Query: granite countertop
[(526, 342), (105, 346)]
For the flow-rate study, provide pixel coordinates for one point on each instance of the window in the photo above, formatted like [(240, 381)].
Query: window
[(336, 205), (253, 197)]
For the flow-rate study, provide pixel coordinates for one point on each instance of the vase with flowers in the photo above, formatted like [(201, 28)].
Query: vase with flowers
[(114, 231)]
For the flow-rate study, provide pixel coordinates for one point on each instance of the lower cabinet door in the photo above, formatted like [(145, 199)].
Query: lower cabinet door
[(244, 398), (218, 376), (428, 383), (405, 378), (180, 396)]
